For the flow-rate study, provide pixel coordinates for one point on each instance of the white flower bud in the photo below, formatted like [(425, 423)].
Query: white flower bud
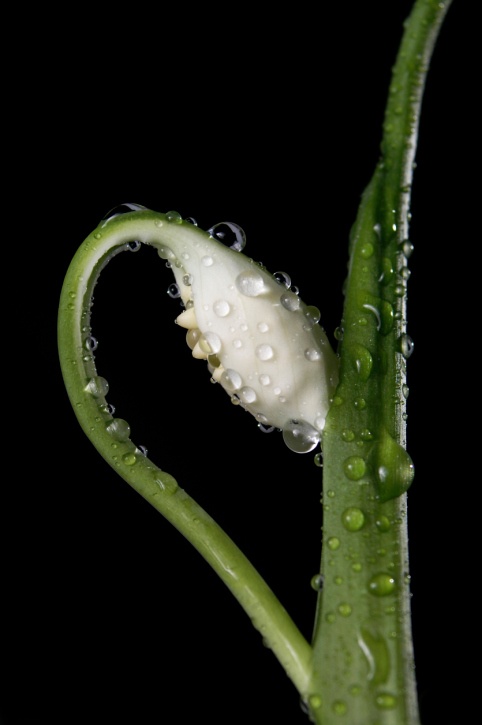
[(262, 343)]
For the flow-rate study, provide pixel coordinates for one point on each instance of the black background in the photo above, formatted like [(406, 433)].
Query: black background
[(275, 124)]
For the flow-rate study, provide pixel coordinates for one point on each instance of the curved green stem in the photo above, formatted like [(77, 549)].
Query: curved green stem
[(111, 436), (363, 665)]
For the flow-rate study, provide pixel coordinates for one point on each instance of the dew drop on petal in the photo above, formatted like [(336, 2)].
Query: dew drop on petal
[(250, 283), (300, 436), (221, 308), (231, 380), (264, 352)]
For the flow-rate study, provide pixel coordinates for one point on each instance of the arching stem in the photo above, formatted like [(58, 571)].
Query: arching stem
[(87, 391)]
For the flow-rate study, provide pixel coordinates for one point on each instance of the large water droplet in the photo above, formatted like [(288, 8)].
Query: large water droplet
[(405, 345), (376, 651), (381, 584), (230, 234), (393, 468), (385, 701), (264, 352), (231, 380), (247, 395), (300, 436), (250, 283), (122, 209), (362, 360), (221, 308), (210, 343), (173, 291), (97, 387), (353, 518), (173, 217), (354, 467), (283, 278), (134, 246), (119, 429), (290, 301)]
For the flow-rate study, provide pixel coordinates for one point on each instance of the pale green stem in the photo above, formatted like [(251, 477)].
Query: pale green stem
[(87, 392)]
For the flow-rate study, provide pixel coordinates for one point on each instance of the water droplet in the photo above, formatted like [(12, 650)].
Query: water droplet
[(344, 609), (97, 387), (173, 217), (318, 459), (91, 343), (129, 459), (122, 209), (366, 250), (383, 311), (333, 543), (317, 582), (191, 220), (207, 261), (192, 337), (353, 518), (375, 649), (338, 334), (385, 701), (312, 354), (266, 428), (167, 253), (407, 248), (348, 435), (264, 379), (119, 429), (173, 291), (312, 315), (166, 482), (360, 403), (362, 361), (354, 468), (264, 352), (314, 701), (134, 246), (405, 345), (381, 585), (247, 395), (387, 271), (231, 380), (393, 467), (290, 301), (250, 283), (210, 343), (283, 278), (230, 234), (339, 707), (382, 523), (300, 436), (221, 308)]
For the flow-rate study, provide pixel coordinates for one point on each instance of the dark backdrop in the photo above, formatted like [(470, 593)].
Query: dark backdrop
[(110, 616)]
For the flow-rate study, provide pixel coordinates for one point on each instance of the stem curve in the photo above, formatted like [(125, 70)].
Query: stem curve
[(87, 391)]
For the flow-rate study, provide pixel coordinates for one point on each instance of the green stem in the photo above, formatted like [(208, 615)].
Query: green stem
[(363, 665), (111, 437)]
